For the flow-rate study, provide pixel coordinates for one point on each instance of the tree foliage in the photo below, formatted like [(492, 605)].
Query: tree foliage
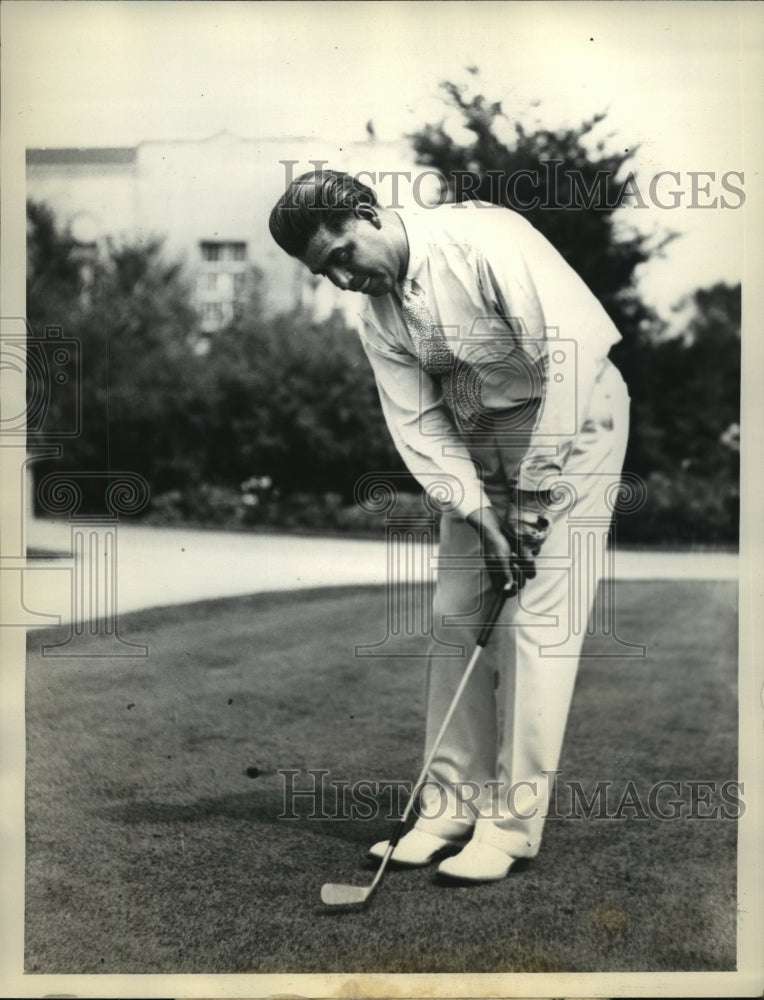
[(129, 312), (689, 420), (684, 389), (567, 192), (280, 396), (295, 400)]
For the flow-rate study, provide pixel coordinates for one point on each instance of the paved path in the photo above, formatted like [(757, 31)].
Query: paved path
[(162, 566)]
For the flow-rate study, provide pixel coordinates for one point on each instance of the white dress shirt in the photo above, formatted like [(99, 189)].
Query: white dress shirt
[(524, 329)]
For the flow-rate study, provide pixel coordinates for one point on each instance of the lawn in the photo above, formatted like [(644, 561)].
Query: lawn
[(154, 796)]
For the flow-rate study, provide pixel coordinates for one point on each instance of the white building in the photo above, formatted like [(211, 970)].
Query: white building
[(209, 200)]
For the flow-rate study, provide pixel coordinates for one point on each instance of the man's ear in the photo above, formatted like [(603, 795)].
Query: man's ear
[(370, 214)]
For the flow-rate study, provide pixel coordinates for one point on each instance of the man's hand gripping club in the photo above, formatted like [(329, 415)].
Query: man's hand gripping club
[(509, 548)]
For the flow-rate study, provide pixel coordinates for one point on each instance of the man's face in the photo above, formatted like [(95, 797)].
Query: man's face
[(360, 258)]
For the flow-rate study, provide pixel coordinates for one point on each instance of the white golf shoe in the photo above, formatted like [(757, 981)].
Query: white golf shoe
[(477, 862), (415, 849)]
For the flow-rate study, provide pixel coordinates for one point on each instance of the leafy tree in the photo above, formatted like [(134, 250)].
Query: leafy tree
[(570, 192), (567, 192), (142, 390), (55, 278), (691, 403), (283, 396), (685, 390), (694, 389), (297, 402)]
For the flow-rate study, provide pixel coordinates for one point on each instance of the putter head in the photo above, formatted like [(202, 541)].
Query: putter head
[(336, 894)]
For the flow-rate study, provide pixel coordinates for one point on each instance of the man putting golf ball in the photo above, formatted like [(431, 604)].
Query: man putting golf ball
[(491, 360)]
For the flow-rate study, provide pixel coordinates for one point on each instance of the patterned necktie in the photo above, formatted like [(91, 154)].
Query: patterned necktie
[(434, 354), (457, 379)]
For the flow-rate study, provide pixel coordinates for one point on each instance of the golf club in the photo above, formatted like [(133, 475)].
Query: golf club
[(338, 894)]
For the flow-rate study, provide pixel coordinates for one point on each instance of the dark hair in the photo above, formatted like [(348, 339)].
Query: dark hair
[(319, 198)]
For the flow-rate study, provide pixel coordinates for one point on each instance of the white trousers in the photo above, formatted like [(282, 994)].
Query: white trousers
[(494, 768)]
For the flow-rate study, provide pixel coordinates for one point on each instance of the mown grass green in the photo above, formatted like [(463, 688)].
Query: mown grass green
[(154, 843)]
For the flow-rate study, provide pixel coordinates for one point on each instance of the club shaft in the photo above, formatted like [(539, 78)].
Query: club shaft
[(483, 638), (509, 591)]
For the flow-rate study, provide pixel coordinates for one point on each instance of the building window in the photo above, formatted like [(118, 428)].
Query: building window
[(214, 252), (211, 251), (221, 281), (212, 314)]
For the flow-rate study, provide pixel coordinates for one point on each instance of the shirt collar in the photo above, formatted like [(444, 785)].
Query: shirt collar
[(417, 240)]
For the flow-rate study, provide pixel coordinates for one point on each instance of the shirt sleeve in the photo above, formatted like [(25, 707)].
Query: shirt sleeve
[(421, 425), (566, 360)]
